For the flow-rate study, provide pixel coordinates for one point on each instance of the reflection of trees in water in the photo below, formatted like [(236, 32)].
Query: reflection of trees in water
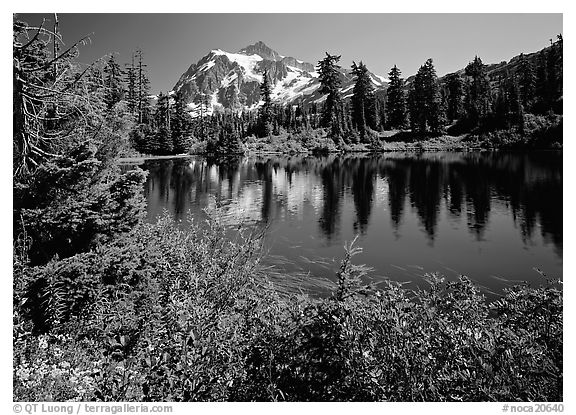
[(227, 172), (159, 178), (540, 203), (454, 193), (332, 184), (425, 192), (170, 180), (477, 184), (264, 171), (181, 181), (363, 178), (397, 178), (529, 185), (547, 197), (157, 190)]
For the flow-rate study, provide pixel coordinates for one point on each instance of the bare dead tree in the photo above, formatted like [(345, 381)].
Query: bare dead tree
[(43, 93)]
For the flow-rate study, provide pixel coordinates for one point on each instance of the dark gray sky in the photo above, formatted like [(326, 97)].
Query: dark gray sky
[(171, 42)]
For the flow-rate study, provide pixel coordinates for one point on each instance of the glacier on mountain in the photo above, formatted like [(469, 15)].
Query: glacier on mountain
[(223, 80)]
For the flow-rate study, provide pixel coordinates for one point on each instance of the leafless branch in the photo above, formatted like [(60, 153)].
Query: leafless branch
[(39, 29), (63, 54)]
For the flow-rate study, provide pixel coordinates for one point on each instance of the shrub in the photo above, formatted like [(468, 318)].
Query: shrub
[(544, 131), (75, 201), (174, 315), (227, 141)]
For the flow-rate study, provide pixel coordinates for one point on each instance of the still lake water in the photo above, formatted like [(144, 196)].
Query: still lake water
[(491, 216)]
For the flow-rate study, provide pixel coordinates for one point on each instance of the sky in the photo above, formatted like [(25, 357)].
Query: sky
[(172, 42)]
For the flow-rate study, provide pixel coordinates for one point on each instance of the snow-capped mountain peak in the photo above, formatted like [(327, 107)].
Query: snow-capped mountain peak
[(224, 80), (259, 48)]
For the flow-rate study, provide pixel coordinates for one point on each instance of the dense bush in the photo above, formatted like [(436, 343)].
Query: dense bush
[(545, 131), (75, 201), (166, 314), (227, 141), (307, 141)]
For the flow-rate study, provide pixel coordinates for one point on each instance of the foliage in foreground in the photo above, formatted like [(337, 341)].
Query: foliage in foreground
[(172, 315)]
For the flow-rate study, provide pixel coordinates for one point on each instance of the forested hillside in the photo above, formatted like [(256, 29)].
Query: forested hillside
[(516, 104)]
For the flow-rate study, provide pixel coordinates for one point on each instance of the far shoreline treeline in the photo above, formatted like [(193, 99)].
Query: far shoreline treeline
[(515, 106)]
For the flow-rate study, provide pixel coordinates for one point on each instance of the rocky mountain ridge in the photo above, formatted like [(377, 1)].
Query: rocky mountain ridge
[(223, 80)]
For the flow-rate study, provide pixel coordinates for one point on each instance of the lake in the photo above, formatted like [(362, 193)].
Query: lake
[(494, 217)]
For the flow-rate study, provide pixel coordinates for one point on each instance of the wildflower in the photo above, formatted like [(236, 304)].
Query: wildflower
[(42, 342), (23, 373), (55, 372)]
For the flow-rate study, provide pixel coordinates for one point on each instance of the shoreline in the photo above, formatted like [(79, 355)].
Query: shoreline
[(149, 157), (289, 145), (392, 148)]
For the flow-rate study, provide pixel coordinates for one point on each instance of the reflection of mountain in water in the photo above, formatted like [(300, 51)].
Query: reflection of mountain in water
[(466, 185)]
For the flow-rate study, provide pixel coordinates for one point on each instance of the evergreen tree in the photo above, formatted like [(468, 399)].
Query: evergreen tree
[(131, 93), (478, 97), (554, 68), (559, 66), (363, 100), (113, 83), (202, 101), (226, 139), (425, 104), (265, 112), (275, 127), (526, 81), (516, 109), (508, 107), (142, 89), (232, 98), (542, 99), (162, 142), (69, 193), (299, 116), (549, 76), (454, 97), (381, 112), (395, 100), (415, 105), (329, 77), (290, 118), (180, 125)]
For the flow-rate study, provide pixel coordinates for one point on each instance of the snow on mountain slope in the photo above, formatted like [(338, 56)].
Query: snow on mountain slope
[(224, 80), (247, 62), (293, 85)]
